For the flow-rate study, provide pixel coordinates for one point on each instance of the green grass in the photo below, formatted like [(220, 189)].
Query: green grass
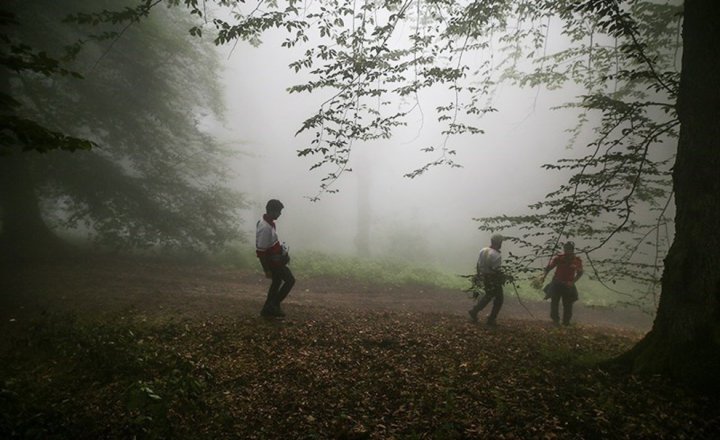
[(381, 270)]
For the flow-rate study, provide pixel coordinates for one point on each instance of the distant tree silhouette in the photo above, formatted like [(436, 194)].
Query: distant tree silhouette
[(118, 151)]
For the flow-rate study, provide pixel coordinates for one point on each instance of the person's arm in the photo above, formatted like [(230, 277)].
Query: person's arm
[(264, 262), (480, 265), (551, 265), (579, 271), (263, 243)]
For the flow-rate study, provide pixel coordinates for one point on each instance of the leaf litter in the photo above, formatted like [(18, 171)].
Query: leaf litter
[(325, 372)]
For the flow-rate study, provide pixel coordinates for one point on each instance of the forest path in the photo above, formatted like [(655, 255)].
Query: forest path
[(163, 289)]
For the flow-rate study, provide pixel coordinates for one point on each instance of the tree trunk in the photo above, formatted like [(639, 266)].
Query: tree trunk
[(362, 237), (24, 234), (684, 342)]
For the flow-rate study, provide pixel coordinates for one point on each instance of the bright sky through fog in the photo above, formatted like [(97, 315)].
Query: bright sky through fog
[(501, 169)]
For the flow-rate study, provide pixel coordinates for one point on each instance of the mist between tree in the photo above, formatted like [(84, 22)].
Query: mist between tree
[(378, 213), (219, 138)]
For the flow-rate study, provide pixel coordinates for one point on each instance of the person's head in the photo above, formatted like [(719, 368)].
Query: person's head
[(274, 208), (569, 247), (496, 241)]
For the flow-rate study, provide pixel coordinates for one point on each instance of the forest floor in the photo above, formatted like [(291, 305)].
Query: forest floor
[(122, 348)]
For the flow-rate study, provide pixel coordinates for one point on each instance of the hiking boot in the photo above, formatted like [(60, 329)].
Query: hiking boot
[(277, 312), (473, 316), (491, 323)]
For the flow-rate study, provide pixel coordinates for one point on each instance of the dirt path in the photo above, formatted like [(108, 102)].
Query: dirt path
[(187, 291)]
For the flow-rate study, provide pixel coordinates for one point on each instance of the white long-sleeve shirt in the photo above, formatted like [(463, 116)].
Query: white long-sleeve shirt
[(266, 237), (489, 261)]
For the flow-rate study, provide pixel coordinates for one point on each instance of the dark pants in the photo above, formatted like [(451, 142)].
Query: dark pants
[(494, 293), (282, 282), (568, 295)]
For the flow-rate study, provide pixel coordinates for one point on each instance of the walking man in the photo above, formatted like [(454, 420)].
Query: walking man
[(491, 277), (274, 259)]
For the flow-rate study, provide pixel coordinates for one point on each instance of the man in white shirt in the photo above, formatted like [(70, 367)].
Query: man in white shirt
[(491, 277), (274, 259)]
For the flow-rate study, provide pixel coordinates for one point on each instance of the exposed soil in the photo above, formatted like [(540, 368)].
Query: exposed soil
[(191, 291)]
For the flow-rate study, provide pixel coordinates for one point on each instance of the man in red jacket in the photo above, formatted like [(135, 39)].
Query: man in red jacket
[(274, 259), (568, 269)]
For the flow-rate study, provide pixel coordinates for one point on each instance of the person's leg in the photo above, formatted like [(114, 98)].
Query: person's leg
[(498, 300), (568, 299), (288, 282), (270, 301), (554, 306), (482, 302)]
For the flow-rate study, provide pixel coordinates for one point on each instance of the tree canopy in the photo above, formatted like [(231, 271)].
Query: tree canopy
[(375, 60)]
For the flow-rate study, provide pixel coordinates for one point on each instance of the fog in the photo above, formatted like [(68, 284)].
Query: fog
[(427, 219)]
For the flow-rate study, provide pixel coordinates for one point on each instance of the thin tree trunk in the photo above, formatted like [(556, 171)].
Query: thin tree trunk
[(362, 237), (684, 342)]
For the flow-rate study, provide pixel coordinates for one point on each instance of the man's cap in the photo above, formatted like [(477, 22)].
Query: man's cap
[(496, 238)]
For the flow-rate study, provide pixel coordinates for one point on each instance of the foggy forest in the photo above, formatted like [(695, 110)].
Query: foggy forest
[(376, 219)]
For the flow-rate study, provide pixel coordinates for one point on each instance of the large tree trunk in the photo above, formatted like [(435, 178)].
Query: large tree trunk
[(684, 342), (23, 233)]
